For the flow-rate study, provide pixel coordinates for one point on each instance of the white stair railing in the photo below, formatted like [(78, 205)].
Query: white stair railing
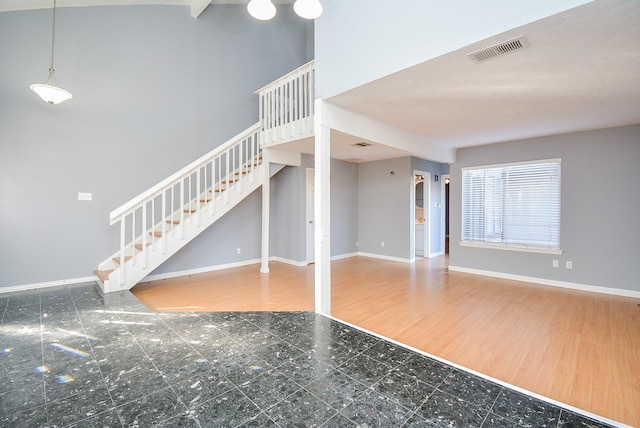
[(158, 222), (287, 106), (163, 211)]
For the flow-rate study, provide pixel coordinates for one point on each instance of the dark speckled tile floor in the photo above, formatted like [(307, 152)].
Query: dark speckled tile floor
[(71, 357)]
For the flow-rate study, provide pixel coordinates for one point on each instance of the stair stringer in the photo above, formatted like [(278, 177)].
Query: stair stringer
[(142, 262)]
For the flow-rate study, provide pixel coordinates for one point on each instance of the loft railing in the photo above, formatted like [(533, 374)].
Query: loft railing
[(163, 210), (287, 106)]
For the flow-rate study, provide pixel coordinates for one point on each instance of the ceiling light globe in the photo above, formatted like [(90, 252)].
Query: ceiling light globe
[(308, 9), (51, 94), (261, 9)]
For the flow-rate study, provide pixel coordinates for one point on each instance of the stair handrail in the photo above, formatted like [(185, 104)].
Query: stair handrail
[(286, 106), (280, 80), (116, 214)]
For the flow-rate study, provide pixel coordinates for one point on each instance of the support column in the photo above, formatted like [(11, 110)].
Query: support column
[(266, 199), (322, 213)]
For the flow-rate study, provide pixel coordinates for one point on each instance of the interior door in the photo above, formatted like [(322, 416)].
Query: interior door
[(310, 225)]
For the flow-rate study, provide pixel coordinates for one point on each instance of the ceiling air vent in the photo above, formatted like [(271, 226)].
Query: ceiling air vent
[(362, 144), (500, 49)]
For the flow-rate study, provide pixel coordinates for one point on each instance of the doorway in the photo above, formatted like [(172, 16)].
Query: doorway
[(421, 191), (309, 220), (446, 181)]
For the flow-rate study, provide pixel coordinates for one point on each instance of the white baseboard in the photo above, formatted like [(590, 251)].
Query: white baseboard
[(305, 263), (389, 258), (550, 282), (205, 269), (39, 285), (344, 256), (287, 261)]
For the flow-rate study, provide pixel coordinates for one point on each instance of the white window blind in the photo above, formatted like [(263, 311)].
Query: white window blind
[(513, 205)]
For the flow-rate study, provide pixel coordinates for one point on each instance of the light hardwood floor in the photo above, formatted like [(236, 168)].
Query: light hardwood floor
[(579, 348)]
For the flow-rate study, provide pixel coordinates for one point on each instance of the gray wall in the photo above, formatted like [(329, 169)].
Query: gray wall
[(153, 90), (600, 204), (288, 235), (385, 207), (288, 210), (345, 214)]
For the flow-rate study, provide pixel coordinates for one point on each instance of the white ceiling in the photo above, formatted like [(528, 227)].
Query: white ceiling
[(581, 72)]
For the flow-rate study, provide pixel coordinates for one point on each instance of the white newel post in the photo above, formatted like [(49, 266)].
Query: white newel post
[(264, 267), (322, 214)]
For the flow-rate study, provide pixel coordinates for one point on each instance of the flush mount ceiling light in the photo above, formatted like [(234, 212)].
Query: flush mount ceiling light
[(308, 9), (49, 92), (261, 9)]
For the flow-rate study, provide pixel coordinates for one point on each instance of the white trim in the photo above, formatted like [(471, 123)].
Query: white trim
[(309, 215), (206, 269), (551, 282), (288, 261), (489, 378), (504, 165), (438, 254), (39, 285), (344, 256), (426, 213), (389, 258), (508, 247), (196, 271), (443, 211)]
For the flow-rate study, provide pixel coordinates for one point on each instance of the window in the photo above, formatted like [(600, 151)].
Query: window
[(512, 206)]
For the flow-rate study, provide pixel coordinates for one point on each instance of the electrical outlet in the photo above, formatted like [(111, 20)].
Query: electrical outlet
[(555, 263), (569, 265), (382, 244), (84, 196), (238, 251), (357, 244)]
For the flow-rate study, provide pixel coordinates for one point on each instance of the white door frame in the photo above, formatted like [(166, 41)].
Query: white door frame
[(309, 216), (443, 211), (426, 193)]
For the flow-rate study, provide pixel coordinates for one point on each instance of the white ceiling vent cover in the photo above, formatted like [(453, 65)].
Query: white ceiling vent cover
[(500, 49)]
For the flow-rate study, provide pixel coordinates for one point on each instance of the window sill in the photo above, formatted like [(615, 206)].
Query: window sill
[(509, 247)]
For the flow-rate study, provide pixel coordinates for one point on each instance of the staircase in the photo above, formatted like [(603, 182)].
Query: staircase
[(157, 223)]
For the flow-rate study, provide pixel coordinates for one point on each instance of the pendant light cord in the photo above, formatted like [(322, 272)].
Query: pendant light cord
[(53, 35)]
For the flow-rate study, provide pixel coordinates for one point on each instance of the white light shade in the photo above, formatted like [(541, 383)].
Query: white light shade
[(51, 94), (308, 9), (261, 9)]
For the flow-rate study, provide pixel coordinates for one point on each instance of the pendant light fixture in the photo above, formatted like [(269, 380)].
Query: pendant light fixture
[(263, 10), (49, 92), (308, 9)]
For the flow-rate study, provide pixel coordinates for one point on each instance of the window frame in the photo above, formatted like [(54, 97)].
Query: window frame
[(501, 172)]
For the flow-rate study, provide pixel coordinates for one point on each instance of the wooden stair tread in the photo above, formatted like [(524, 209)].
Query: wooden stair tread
[(117, 259), (139, 246), (173, 221), (103, 275)]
